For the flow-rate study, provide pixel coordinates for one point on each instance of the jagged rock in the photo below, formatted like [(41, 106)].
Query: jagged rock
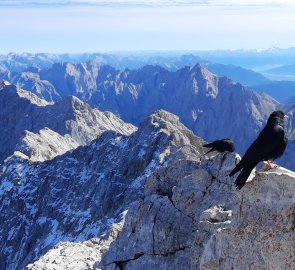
[(77, 255), (45, 145), (213, 107), (261, 235), (216, 214), (23, 113), (101, 181), (227, 225), (32, 82), (148, 200)]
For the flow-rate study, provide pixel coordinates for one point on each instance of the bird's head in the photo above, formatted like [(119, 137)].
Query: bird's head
[(277, 117)]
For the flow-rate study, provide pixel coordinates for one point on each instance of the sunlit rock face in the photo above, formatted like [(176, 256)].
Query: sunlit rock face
[(209, 105), (150, 199), (29, 122)]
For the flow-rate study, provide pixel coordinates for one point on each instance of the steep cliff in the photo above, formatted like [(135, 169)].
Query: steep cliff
[(209, 105), (61, 126), (147, 200), (205, 224)]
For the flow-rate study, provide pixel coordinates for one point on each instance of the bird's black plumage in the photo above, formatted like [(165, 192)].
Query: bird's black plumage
[(220, 146), (270, 144)]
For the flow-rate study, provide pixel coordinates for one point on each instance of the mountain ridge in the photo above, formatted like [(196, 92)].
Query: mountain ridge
[(118, 161), (151, 198), (23, 111)]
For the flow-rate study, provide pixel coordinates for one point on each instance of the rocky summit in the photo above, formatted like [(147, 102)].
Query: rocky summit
[(212, 107), (148, 199), (30, 124)]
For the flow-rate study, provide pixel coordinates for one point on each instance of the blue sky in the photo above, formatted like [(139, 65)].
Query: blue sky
[(100, 26)]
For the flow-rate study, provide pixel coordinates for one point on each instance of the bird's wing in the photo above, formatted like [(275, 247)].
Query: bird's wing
[(255, 152), (273, 142), (267, 141)]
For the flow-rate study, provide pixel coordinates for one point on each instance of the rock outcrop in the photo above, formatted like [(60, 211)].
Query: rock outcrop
[(45, 145), (210, 106), (262, 231), (23, 113), (79, 195), (148, 200), (206, 224)]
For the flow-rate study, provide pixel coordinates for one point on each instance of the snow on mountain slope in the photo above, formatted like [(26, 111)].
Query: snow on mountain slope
[(23, 111), (209, 105), (45, 145), (213, 107), (150, 199), (78, 195)]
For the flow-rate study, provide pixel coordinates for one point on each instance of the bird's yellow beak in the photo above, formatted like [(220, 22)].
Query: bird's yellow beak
[(286, 116)]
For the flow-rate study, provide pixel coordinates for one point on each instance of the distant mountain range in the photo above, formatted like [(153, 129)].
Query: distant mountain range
[(283, 91), (260, 59), (24, 69), (16, 63), (282, 72), (137, 198), (204, 102), (81, 188), (211, 106)]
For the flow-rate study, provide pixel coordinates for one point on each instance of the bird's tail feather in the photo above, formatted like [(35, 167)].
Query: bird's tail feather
[(243, 176), (236, 169)]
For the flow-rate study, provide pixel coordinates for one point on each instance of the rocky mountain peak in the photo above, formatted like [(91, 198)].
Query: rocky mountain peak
[(150, 198), (168, 124), (44, 145), (202, 70), (14, 92), (3, 84), (161, 118), (23, 111), (204, 81), (72, 103), (210, 106)]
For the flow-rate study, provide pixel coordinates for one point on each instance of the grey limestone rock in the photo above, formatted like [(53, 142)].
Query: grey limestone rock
[(81, 194), (261, 235), (148, 200), (74, 122), (45, 145), (216, 226), (211, 106)]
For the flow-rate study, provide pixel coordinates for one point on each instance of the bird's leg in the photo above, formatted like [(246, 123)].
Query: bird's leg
[(269, 164)]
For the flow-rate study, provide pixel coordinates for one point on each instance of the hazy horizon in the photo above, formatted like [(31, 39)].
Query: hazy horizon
[(91, 26), (151, 52)]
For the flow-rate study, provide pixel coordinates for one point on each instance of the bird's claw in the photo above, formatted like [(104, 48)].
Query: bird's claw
[(270, 165)]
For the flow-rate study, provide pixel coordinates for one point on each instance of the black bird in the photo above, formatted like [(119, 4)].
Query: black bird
[(270, 144), (220, 146)]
